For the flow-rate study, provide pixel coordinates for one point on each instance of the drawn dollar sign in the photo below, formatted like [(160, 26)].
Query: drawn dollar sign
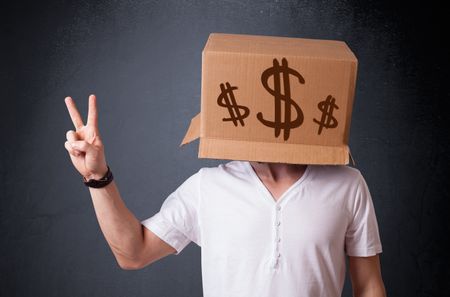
[(226, 99), (279, 72), (327, 120)]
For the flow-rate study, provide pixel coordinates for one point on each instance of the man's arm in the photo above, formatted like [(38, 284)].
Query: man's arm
[(133, 245), (365, 274), (129, 240)]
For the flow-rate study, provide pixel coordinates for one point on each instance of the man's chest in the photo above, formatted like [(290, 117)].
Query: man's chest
[(244, 219)]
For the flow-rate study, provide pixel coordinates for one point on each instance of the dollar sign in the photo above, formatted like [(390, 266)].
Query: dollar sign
[(277, 72), (226, 99), (327, 120)]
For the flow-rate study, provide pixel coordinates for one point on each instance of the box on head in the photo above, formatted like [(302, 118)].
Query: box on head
[(275, 99)]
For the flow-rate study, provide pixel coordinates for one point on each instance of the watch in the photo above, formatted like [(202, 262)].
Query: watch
[(99, 183)]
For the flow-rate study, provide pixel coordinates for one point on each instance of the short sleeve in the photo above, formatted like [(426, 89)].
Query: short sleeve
[(362, 237), (177, 220)]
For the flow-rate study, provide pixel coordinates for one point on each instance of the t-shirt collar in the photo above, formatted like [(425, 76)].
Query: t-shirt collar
[(257, 181)]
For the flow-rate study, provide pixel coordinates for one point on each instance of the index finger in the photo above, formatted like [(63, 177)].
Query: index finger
[(74, 114)]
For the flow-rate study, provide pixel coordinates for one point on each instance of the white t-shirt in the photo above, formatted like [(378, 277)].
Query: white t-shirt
[(252, 245)]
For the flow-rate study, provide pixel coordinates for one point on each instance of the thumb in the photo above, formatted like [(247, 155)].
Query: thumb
[(81, 145)]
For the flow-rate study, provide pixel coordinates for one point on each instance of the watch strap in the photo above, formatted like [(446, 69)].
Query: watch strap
[(99, 183)]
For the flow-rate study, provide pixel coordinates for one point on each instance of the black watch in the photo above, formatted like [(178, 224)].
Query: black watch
[(99, 183)]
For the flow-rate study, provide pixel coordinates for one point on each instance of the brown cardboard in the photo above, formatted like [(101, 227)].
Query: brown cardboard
[(275, 99)]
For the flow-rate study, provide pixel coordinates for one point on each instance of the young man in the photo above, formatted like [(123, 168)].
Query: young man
[(265, 229)]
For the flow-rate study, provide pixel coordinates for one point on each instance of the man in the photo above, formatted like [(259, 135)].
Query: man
[(265, 229)]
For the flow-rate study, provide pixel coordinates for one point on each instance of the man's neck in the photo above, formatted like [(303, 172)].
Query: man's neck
[(278, 171)]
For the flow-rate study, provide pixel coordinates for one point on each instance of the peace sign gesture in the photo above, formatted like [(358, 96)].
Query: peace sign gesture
[(84, 144)]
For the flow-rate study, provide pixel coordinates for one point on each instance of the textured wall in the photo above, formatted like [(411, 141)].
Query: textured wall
[(142, 59)]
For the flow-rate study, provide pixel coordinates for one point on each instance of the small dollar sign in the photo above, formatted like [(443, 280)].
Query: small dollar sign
[(226, 99), (279, 72), (327, 120)]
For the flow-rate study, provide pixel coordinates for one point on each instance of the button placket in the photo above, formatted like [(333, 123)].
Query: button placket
[(277, 253)]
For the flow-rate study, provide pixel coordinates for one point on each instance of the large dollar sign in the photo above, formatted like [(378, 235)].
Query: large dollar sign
[(327, 120), (226, 99), (279, 72)]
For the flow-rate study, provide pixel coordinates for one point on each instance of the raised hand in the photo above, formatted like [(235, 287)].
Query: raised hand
[(84, 145)]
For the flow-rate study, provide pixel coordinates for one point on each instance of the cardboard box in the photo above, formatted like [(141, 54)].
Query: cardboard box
[(275, 99)]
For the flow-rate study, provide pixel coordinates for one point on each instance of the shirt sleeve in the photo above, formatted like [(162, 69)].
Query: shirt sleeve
[(177, 220), (362, 238)]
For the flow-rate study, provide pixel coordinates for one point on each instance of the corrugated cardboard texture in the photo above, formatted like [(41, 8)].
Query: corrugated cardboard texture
[(275, 99)]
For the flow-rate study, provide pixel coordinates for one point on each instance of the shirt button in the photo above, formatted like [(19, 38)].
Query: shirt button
[(278, 239), (278, 255), (278, 223), (278, 207)]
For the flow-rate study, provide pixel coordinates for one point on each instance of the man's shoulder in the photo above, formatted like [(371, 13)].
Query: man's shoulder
[(338, 169), (226, 168), (338, 173), (212, 174)]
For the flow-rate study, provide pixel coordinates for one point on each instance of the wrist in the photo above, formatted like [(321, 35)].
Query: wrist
[(94, 181), (97, 175)]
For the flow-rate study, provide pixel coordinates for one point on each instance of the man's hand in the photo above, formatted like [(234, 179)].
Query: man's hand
[(365, 274), (84, 144)]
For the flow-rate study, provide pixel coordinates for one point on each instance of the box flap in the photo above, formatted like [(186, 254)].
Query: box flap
[(273, 152), (193, 131)]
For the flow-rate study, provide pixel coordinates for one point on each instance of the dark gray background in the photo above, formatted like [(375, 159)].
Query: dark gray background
[(143, 61)]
